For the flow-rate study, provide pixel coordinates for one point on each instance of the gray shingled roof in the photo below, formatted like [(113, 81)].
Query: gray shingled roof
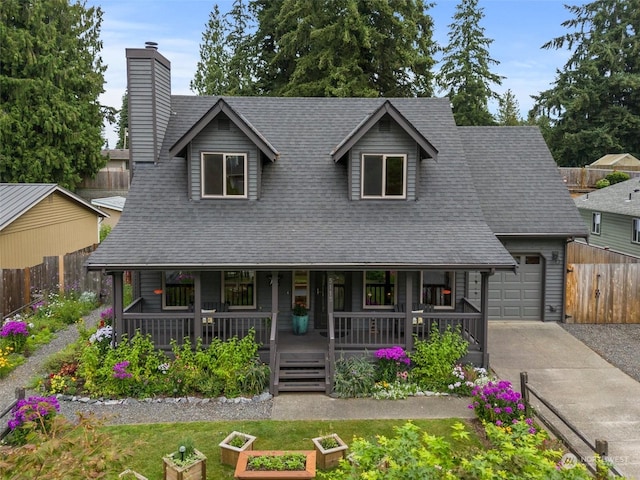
[(518, 184), (113, 203), (18, 198), (304, 216), (613, 199)]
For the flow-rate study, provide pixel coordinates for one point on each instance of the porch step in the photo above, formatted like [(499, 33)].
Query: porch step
[(302, 372)]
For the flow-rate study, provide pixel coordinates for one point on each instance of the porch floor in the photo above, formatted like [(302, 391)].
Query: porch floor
[(312, 341)]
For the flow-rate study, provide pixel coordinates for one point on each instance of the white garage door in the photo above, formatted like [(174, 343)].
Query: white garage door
[(517, 296)]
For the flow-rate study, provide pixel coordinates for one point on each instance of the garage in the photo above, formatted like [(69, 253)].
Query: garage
[(517, 296)]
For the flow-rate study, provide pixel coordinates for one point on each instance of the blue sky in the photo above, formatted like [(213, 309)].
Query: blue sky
[(518, 28)]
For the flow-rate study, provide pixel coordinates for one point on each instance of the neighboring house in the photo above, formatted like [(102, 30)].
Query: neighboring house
[(39, 220), (112, 206), (118, 159), (617, 161), (381, 215), (613, 216)]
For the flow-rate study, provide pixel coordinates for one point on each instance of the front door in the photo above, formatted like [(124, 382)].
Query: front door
[(320, 300), (320, 297)]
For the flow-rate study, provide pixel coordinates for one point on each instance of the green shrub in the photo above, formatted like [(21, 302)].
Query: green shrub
[(433, 360), (617, 177), (354, 377), (104, 231), (131, 369), (515, 454), (602, 183)]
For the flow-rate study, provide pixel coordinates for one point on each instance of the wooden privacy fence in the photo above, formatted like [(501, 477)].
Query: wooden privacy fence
[(602, 286), (586, 178), (108, 180), (55, 274)]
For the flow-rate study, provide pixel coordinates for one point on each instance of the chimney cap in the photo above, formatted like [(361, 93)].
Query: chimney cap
[(151, 45)]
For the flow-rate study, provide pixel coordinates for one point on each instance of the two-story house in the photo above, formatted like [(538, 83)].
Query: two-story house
[(378, 214), (613, 216)]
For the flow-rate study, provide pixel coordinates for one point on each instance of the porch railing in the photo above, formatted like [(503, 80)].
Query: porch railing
[(167, 326), (359, 330)]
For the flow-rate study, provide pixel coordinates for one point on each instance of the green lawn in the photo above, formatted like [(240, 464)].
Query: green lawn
[(151, 442)]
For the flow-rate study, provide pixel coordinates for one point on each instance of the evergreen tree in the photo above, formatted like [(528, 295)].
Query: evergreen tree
[(239, 44), (508, 110), (593, 107), (465, 73), (212, 71), (344, 47), (123, 123), (51, 76)]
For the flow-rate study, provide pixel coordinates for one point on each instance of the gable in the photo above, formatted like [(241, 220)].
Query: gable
[(384, 137)]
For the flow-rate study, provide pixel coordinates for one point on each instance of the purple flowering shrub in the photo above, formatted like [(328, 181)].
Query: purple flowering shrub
[(15, 334), (392, 364), (107, 316), (498, 403), (31, 414)]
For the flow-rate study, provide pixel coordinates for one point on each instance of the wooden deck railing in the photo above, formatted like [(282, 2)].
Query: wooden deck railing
[(165, 327)]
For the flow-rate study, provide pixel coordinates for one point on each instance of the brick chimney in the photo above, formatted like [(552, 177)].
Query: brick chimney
[(149, 91)]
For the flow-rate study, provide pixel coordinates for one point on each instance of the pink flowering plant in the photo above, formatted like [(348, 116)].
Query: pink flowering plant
[(498, 403), (391, 362), (15, 333), (29, 415)]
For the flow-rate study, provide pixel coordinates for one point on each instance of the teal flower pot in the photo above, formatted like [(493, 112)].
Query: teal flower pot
[(300, 324)]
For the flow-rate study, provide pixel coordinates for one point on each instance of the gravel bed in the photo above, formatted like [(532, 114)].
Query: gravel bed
[(618, 344)]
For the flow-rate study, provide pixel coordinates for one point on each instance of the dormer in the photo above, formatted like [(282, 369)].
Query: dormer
[(383, 153), (225, 154)]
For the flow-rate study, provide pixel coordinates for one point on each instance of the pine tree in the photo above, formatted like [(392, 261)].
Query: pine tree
[(51, 76), (465, 73), (344, 47), (239, 44), (508, 110), (212, 71), (593, 107)]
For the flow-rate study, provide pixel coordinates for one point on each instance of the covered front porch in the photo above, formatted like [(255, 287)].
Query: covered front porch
[(338, 326)]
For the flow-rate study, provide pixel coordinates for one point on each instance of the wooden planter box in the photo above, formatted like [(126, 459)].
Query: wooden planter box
[(329, 458), (228, 453), (242, 473), (196, 471)]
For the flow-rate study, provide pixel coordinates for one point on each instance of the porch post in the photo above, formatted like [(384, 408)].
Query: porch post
[(408, 319), (484, 311), (118, 294), (274, 292), (197, 307)]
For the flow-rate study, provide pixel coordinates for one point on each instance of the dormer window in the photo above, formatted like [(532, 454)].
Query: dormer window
[(384, 176), (224, 175)]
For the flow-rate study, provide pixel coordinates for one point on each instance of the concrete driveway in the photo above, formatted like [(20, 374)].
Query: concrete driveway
[(600, 400)]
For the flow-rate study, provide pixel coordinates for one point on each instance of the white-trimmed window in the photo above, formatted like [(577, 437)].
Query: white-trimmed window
[(239, 289), (178, 289), (635, 230), (224, 175), (596, 221), (384, 176), (438, 288), (380, 288)]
